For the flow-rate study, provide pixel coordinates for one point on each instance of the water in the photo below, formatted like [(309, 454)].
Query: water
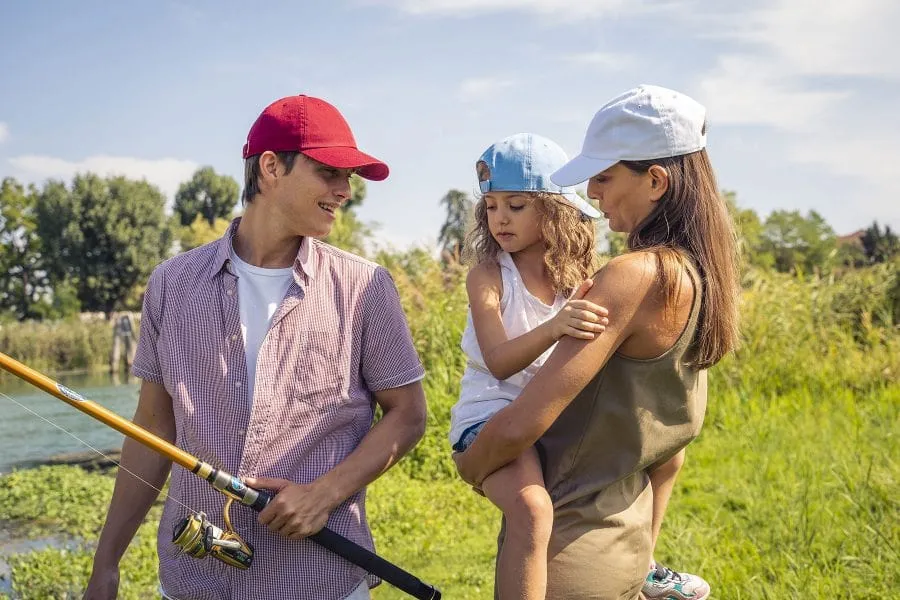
[(26, 439)]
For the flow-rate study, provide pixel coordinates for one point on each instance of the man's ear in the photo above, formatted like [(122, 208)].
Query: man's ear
[(659, 182), (268, 166)]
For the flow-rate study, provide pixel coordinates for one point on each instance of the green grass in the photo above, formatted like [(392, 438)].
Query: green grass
[(791, 491), (795, 496)]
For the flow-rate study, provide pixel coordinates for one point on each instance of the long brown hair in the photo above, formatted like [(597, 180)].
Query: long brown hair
[(691, 221), (569, 241)]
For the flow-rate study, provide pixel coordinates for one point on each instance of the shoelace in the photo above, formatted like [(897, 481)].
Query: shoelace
[(661, 573)]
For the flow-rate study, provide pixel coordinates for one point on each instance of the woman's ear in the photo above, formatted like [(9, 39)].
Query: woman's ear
[(659, 182)]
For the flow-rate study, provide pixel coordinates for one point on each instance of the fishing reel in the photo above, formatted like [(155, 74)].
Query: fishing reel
[(196, 536)]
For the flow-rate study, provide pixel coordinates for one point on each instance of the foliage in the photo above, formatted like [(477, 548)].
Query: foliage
[(357, 192), (58, 346), (24, 286), (200, 232), (797, 243), (208, 195), (458, 222), (349, 233), (104, 236), (880, 245)]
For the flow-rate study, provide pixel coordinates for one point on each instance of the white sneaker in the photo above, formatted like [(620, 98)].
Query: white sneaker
[(663, 583)]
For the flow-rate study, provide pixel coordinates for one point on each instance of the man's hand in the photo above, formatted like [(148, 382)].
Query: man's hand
[(298, 510), (580, 318), (103, 584)]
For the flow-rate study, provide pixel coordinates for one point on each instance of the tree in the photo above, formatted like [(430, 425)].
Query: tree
[(750, 230), (357, 192), (208, 194), (797, 243), (23, 280), (880, 246), (348, 232), (200, 232), (103, 237), (460, 212)]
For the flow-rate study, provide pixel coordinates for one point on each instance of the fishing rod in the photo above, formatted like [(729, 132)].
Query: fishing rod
[(195, 534)]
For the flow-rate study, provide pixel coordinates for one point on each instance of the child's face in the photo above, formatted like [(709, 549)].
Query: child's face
[(513, 219)]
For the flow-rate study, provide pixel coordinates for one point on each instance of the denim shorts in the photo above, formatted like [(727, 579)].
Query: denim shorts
[(468, 436)]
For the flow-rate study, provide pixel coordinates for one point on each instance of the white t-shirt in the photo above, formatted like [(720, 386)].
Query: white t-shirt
[(260, 292)]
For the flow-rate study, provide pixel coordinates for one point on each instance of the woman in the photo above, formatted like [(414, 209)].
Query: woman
[(604, 411)]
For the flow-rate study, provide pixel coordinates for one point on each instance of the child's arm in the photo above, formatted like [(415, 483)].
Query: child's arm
[(505, 357)]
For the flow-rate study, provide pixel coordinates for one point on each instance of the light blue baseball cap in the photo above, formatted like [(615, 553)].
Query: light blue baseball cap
[(523, 163)]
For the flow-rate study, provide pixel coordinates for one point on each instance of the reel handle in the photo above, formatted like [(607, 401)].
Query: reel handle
[(362, 557)]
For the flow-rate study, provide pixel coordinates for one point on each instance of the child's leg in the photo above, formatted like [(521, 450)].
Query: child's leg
[(662, 480), (662, 582), (518, 490)]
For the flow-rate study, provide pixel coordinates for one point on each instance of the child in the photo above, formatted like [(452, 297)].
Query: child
[(533, 245)]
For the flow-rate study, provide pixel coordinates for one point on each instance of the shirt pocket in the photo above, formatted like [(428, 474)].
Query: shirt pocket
[(321, 371)]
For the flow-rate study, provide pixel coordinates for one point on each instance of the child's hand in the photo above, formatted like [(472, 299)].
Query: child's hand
[(580, 318)]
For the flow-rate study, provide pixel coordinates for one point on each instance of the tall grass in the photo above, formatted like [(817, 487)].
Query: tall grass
[(791, 491), (58, 346)]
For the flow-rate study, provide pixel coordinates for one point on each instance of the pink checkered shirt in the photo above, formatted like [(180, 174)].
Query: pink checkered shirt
[(339, 335)]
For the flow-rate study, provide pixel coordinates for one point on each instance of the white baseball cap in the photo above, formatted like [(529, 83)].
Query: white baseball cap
[(644, 123)]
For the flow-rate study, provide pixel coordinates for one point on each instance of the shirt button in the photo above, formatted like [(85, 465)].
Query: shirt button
[(230, 292), (237, 384), (233, 337), (241, 432)]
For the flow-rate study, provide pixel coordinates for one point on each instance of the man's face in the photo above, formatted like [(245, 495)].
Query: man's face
[(306, 199)]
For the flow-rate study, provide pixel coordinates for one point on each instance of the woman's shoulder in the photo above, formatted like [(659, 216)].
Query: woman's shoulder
[(636, 273)]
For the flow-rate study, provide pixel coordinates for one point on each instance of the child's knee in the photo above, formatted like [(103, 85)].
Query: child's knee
[(531, 515), (671, 467)]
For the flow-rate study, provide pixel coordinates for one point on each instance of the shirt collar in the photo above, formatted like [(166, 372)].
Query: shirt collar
[(304, 264)]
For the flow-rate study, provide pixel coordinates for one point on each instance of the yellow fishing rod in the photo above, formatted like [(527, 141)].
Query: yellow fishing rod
[(195, 535)]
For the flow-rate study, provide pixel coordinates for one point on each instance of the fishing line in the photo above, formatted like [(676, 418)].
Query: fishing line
[(107, 457)]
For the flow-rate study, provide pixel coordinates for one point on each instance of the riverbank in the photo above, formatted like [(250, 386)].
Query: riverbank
[(58, 347)]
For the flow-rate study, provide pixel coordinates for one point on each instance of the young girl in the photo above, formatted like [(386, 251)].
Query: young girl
[(533, 245)]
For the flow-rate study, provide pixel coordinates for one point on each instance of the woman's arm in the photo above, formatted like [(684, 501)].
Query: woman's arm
[(505, 357), (625, 285)]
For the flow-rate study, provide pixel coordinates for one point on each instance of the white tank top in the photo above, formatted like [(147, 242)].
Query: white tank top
[(482, 394)]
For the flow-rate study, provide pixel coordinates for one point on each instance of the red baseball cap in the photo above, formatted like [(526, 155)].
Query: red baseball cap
[(314, 128)]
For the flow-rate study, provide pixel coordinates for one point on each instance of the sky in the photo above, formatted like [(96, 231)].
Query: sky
[(802, 95)]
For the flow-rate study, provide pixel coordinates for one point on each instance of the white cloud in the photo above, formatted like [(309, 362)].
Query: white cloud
[(481, 88), (602, 60), (4, 132), (811, 37), (806, 69), (166, 173), (751, 90), (560, 9)]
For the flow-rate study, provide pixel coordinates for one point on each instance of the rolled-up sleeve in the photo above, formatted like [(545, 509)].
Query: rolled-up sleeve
[(146, 359), (389, 358)]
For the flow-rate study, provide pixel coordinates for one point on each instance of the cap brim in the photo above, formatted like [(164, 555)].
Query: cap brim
[(345, 157), (580, 169), (581, 204)]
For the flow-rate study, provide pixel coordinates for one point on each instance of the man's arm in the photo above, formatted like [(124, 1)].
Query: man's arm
[(132, 498), (300, 510)]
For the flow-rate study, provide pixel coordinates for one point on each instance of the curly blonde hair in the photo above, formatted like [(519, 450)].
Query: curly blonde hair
[(569, 240)]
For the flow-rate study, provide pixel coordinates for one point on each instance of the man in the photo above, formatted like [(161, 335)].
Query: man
[(264, 353)]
